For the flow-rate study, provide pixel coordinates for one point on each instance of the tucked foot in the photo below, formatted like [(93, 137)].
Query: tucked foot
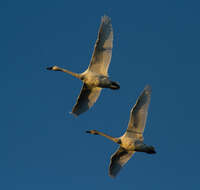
[(151, 150), (145, 148), (115, 86)]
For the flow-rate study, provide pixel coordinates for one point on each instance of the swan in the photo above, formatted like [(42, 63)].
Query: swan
[(132, 140), (96, 75)]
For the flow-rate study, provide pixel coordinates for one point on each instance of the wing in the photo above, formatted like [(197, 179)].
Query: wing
[(139, 112), (118, 160), (88, 96), (103, 48)]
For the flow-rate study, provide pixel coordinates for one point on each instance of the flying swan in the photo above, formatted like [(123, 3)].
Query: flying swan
[(132, 140), (96, 75)]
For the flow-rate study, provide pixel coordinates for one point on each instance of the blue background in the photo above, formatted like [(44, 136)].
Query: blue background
[(42, 146)]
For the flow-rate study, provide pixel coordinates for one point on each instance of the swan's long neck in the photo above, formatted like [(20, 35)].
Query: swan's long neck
[(55, 68), (95, 132), (71, 73)]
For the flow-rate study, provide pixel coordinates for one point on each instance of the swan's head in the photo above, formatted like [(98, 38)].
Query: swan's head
[(94, 132), (54, 68)]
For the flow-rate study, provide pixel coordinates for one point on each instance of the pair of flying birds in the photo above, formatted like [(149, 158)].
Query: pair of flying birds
[(94, 79)]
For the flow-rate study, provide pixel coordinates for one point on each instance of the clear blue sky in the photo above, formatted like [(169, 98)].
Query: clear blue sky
[(43, 147)]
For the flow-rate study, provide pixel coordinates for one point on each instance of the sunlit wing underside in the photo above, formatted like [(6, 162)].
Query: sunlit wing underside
[(103, 48), (86, 99), (118, 160), (138, 114)]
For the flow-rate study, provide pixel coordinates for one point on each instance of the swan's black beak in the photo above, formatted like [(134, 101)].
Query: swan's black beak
[(49, 68), (92, 132)]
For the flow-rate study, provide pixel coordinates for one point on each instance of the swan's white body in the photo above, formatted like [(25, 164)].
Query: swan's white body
[(96, 76), (132, 140)]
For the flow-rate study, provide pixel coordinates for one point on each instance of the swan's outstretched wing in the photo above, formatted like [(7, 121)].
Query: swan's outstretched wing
[(118, 160), (88, 96), (138, 114), (103, 48)]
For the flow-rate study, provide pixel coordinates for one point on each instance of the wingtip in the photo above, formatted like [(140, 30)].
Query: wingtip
[(148, 88), (73, 114), (112, 176), (105, 19)]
